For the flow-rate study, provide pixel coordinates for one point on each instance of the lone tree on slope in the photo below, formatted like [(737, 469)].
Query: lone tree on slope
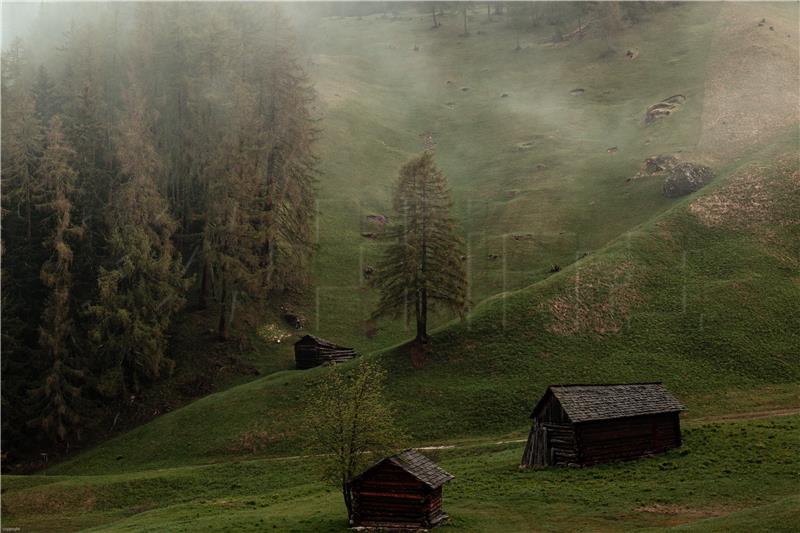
[(424, 264), (351, 424)]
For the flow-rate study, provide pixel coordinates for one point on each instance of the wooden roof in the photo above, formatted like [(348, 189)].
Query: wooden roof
[(585, 403), (320, 342), (418, 466)]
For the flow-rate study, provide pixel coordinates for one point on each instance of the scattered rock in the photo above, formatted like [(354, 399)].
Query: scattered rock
[(492, 257), (524, 145), (368, 271), (659, 163), (380, 220), (451, 105), (771, 28), (630, 55), (612, 150), (554, 268), (686, 178), (504, 95), (296, 320), (540, 166), (663, 108), (577, 92), (369, 234), (522, 236), (465, 89)]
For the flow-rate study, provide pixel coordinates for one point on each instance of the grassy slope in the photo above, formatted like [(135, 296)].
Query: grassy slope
[(706, 309), (378, 96), (709, 482)]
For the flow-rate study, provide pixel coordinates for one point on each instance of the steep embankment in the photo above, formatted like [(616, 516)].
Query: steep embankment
[(704, 297)]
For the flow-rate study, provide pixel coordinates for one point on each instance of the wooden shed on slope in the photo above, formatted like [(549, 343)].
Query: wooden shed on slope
[(400, 492), (311, 351), (579, 425)]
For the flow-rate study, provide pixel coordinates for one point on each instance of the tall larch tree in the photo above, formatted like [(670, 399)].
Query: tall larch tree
[(232, 235), (142, 285), (285, 101), (58, 394), (423, 265)]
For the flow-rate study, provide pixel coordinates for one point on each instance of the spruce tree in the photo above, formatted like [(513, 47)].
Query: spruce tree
[(285, 101), (141, 286), (58, 393), (423, 265), (231, 236)]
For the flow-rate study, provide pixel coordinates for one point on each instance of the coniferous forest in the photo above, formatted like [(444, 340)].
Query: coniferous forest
[(153, 161), (324, 266)]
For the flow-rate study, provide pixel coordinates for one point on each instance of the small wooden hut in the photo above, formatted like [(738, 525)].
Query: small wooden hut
[(311, 351), (400, 492), (580, 425)]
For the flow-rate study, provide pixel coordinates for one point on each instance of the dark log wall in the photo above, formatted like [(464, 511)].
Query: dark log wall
[(552, 438), (311, 355), (626, 438), (389, 496)]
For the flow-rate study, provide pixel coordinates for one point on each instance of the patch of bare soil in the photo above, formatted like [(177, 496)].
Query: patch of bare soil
[(664, 108), (751, 89), (759, 199), (598, 302), (680, 514), (753, 415)]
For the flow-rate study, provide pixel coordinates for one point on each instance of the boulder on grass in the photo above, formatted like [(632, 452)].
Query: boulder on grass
[(686, 178)]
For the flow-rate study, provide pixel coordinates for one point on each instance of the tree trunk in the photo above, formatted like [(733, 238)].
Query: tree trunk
[(348, 499), (28, 214), (433, 11), (203, 302), (223, 310), (422, 316)]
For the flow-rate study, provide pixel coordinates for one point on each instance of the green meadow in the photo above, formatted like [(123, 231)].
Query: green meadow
[(701, 293)]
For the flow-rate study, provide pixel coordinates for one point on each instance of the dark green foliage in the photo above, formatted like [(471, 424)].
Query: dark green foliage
[(424, 261), (142, 286), (190, 135), (58, 394)]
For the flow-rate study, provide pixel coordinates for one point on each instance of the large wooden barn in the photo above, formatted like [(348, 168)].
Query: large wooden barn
[(579, 425), (400, 492), (311, 351)]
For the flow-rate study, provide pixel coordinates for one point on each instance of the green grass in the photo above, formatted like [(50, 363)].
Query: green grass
[(710, 479), (709, 311), (648, 292), (378, 96)]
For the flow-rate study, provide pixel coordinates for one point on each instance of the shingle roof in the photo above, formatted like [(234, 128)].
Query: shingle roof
[(321, 342), (418, 466), (584, 403)]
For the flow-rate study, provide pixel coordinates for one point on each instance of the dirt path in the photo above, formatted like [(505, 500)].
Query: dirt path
[(752, 415)]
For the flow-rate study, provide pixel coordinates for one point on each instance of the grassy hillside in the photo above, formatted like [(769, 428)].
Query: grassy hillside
[(707, 484), (530, 171), (704, 297), (700, 292)]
